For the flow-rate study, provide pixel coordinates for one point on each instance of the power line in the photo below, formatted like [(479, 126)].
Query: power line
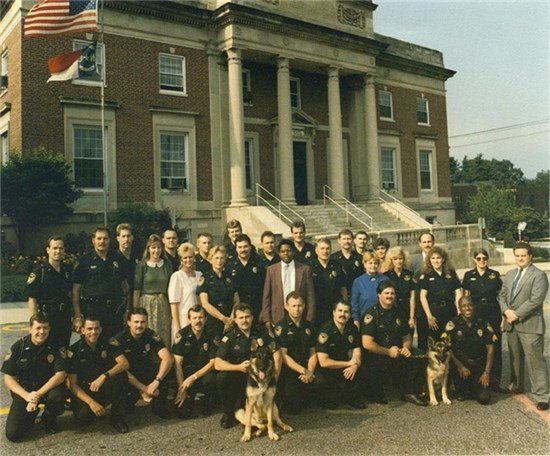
[(499, 139), (508, 127)]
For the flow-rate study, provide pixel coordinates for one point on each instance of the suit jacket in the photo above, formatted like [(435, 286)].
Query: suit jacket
[(416, 264), (273, 300), (527, 300)]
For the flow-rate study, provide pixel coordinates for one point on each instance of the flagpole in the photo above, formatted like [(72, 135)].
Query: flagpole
[(101, 20)]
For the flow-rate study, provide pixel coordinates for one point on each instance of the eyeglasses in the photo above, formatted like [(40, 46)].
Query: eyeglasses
[(481, 258)]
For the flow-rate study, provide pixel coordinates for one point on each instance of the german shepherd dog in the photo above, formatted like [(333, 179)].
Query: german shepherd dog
[(260, 394), (437, 372)]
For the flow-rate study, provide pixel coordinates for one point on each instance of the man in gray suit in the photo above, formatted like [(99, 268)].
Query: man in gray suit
[(521, 302)]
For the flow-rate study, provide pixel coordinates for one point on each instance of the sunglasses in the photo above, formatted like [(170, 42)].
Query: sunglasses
[(481, 258)]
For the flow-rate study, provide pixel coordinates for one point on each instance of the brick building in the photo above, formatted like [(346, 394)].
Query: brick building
[(205, 99)]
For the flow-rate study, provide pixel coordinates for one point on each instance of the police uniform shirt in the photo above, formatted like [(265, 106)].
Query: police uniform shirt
[(336, 345), (87, 363), (249, 280), (298, 340), (173, 260), (440, 288), (195, 352), (235, 347), (352, 266), (33, 365), (470, 342), (328, 283), (484, 291), (385, 326), (220, 290), (46, 285), (266, 262), (100, 279), (142, 352), (404, 284), (306, 255), (127, 267), (202, 264)]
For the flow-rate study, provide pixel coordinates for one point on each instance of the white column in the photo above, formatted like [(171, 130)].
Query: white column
[(236, 129), (336, 177), (284, 111), (371, 129)]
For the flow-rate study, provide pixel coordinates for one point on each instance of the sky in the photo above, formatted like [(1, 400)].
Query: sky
[(500, 51)]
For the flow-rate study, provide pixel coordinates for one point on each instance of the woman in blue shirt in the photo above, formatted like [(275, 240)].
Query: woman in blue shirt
[(363, 290)]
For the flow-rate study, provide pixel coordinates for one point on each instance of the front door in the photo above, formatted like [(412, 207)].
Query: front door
[(300, 172)]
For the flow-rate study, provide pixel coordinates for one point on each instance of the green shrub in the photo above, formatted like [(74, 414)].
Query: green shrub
[(14, 288), (509, 240), (540, 252)]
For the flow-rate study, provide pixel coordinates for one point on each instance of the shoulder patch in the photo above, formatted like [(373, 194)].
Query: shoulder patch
[(367, 319), (114, 342), (323, 337), (156, 337), (177, 337), (278, 331), (421, 276), (450, 326), (69, 354), (200, 281), (8, 355), (32, 278), (490, 328), (63, 352), (494, 338)]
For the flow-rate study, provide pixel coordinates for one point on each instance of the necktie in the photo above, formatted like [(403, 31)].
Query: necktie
[(286, 280), (515, 282)]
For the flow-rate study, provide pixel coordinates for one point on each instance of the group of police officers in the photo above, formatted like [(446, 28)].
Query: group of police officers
[(119, 360)]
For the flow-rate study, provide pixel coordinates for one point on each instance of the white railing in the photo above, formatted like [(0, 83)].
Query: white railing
[(276, 205), (342, 203)]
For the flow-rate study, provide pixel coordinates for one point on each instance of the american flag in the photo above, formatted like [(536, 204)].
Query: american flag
[(59, 17)]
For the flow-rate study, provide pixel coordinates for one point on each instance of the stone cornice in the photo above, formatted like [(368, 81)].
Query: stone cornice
[(84, 102), (173, 111), (413, 66)]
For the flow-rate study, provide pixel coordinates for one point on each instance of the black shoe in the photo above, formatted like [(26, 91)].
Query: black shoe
[(120, 427), (542, 405), (206, 406), (460, 397), (227, 421), (381, 400), (163, 413), (414, 399), (357, 404), (50, 426)]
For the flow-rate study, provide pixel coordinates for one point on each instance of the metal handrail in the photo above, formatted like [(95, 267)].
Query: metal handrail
[(348, 204), (280, 204), (387, 197)]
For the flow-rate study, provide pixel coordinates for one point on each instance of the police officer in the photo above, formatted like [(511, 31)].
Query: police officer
[(127, 259), (34, 372), (150, 361), (483, 284), (350, 261), (98, 285), (387, 341), (267, 254), (248, 274), (232, 361), (472, 353), (304, 251), (339, 354), (296, 338), (328, 281), (217, 293), (194, 354), (49, 289), (204, 243), (97, 377)]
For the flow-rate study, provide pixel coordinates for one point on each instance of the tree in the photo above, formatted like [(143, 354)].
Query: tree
[(494, 204), (501, 173), (36, 190)]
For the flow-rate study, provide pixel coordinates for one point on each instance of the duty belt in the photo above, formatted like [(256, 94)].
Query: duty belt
[(53, 306)]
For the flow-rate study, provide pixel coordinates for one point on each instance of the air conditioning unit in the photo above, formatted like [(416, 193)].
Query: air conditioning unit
[(4, 81)]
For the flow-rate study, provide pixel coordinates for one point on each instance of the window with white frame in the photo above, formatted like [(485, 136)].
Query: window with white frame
[(4, 147), (172, 74), (88, 156), (247, 87), (387, 167), (385, 104), (295, 96), (425, 165), (249, 164), (174, 161), (4, 70), (422, 111), (99, 61)]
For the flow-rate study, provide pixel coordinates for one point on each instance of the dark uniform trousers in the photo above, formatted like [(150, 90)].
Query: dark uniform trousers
[(205, 385), (110, 313), (20, 421), (113, 391), (334, 388), (59, 316), (295, 394), (146, 374), (470, 387), (231, 389)]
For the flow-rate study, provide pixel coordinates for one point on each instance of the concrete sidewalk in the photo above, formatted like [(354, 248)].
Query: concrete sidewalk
[(17, 312)]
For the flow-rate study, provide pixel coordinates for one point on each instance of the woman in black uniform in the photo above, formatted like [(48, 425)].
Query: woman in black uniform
[(440, 291), (483, 285), (404, 284), (217, 293)]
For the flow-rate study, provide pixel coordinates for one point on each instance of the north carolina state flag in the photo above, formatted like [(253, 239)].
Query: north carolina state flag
[(76, 64)]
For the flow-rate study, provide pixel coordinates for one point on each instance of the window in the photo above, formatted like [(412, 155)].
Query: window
[(88, 156), (173, 161), (4, 71), (247, 88), (249, 164), (425, 162), (172, 74), (387, 166), (422, 111), (99, 61), (295, 97), (385, 105), (4, 147)]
